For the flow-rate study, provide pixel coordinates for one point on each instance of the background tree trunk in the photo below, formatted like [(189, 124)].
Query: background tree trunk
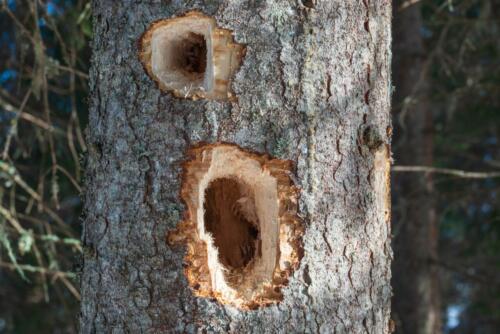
[(314, 87), (416, 295)]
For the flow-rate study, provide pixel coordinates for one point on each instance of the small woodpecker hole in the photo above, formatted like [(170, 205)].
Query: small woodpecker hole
[(231, 218), (191, 57)]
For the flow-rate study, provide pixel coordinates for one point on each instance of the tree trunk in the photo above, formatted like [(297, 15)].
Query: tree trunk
[(313, 88), (416, 295)]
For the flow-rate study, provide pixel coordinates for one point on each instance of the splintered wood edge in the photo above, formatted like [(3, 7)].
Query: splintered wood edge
[(222, 42), (382, 184), (291, 229)]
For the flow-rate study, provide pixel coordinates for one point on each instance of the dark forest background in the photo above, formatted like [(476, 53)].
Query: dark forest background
[(446, 171)]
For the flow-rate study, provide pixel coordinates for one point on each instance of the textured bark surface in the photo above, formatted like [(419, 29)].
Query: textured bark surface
[(314, 87), (416, 304)]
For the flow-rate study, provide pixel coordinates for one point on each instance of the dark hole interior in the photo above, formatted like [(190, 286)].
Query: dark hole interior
[(192, 54), (230, 218), (308, 3)]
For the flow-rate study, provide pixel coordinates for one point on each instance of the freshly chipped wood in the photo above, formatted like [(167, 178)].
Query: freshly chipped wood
[(241, 227), (191, 57)]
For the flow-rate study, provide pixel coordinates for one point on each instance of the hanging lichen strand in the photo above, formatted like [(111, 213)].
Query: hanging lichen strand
[(241, 227), (191, 57)]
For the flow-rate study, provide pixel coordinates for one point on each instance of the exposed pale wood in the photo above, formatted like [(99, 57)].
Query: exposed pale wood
[(171, 49), (267, 198)]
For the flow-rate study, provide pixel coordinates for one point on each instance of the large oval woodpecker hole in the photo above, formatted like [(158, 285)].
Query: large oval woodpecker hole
[(231, 218), (241, 227)]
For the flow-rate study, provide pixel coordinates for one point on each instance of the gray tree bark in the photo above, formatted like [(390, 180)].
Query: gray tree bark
[(314, 87), (416, 305)]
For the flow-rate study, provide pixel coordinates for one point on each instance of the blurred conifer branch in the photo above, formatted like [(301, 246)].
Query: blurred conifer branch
[(43, 85), (446, 171)]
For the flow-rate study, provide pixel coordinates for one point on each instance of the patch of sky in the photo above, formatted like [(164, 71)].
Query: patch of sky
[(4, 37), (7, 75), (453, 313), (7, 40), (51, 9), (492, 140), (6, 117), (425, 32), (41, 22), (51, 52), (486, 208), (471, 210), (11, 4), (54, 8), (490, 183)]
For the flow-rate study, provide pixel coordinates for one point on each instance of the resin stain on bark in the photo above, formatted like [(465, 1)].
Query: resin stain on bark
[(191, 57), (241, 227)]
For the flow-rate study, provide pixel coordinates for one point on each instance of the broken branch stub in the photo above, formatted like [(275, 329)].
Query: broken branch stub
[(241, 227), (191, 57)]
